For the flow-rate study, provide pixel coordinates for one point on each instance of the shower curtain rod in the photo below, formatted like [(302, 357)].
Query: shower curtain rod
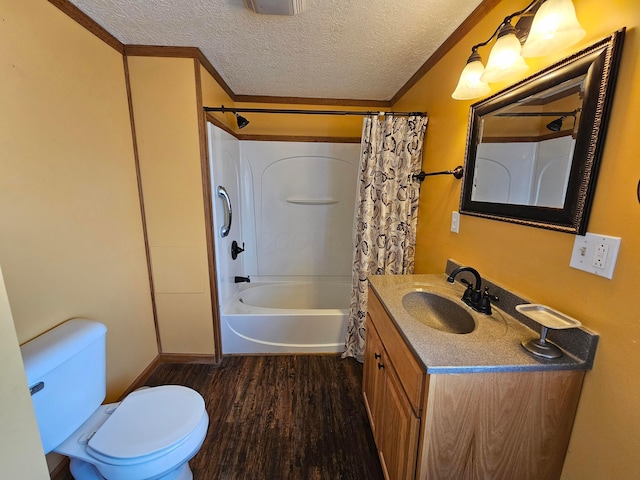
[(311, 112)]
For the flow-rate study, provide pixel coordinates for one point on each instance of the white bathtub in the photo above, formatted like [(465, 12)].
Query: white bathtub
[(287, 317)]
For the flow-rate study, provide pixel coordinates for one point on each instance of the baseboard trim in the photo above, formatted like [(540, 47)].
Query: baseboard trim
[(208, 359), (142, 378), (167, 358), (61, 472), (284, 354)]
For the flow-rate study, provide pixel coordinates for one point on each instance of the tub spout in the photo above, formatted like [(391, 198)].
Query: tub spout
[(242, 279)]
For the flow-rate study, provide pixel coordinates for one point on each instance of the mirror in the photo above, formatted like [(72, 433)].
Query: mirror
[(533, 149)]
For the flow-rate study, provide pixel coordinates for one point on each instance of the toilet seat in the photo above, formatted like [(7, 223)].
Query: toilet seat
[(100, 444), (147, 424)]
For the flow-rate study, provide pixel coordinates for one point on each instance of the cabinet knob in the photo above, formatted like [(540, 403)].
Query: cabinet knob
[(380, 365), (376, 355)]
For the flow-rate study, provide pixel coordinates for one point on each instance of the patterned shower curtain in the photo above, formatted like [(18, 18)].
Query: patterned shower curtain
[(386, 211)]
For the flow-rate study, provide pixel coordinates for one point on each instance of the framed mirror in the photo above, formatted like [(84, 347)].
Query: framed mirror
[(533, 149)]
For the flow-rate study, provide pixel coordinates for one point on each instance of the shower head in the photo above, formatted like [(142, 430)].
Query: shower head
[(242, 122), (556, 125)]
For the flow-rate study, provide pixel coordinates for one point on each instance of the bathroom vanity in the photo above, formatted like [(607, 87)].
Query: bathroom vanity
[(466, 406)]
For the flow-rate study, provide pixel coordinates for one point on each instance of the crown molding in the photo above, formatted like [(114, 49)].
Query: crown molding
[(471, 21), (87, 22), (194, 52)]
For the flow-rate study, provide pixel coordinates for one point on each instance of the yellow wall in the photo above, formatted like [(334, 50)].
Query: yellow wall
[(302, 125), (281, 124), (213, 95), (535, 262), (166, 120), (21, 454), (71, 242)]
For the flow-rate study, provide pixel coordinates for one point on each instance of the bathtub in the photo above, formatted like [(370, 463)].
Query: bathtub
[(287, 317)]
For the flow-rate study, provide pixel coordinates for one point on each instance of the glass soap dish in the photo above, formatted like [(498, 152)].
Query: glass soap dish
[(547, 318)]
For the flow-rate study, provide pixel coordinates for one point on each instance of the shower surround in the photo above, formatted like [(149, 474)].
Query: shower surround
[(292, 208)]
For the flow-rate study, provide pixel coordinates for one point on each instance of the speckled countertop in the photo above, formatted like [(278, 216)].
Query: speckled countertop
[(493, 345)]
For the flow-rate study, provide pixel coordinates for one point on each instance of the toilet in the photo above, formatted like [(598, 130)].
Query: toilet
[(150, 435)]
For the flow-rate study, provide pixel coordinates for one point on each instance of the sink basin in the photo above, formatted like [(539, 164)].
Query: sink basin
[(439, 312)]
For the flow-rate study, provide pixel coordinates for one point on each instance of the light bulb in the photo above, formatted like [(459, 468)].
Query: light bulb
[(554, 26), (470, 86), (505, 61)]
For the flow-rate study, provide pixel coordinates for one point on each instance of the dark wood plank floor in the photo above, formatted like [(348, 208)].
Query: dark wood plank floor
[(298, 417)]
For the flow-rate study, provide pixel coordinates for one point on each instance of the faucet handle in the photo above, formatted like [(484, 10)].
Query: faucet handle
[(465, 282), (489, 296), (484, 304)]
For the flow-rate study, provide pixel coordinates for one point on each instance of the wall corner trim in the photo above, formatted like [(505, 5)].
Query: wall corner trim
[(476, 16), (87, 22)]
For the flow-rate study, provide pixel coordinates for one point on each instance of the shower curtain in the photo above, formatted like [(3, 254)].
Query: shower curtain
[(386, 211)]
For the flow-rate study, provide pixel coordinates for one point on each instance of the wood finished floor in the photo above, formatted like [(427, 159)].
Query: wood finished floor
[(298, 417)]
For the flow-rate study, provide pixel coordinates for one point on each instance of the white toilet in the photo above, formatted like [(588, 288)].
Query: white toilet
[(152, 434)]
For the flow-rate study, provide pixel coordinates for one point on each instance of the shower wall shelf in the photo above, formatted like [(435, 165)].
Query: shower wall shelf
[(312, 201)]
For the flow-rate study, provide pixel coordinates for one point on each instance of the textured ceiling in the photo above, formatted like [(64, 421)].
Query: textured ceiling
[(340, 49)]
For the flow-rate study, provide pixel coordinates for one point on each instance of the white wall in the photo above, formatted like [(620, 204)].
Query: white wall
[(224, 162), (524, 173), (282, 238), (303, 201)]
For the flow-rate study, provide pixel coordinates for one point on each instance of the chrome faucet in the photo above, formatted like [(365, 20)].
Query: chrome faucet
[(473, 295)]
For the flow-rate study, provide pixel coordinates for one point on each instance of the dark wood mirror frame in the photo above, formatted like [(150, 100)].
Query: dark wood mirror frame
[(599, 62)]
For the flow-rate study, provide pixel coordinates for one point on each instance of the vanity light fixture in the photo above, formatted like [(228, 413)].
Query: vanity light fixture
[(554, 26)]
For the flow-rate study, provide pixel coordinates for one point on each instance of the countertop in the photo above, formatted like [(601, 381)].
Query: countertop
[(493, 346)]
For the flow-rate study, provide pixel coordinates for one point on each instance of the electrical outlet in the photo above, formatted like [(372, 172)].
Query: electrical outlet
[(600, 255), (595, 254), (455, 222)]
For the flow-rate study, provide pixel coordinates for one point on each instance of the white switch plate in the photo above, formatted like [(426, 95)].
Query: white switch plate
[(595, 254), (455, 222)]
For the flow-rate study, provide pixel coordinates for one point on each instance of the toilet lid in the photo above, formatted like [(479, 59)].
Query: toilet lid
[(148, 421)]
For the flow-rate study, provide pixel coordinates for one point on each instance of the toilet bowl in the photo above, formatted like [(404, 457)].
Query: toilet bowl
[(152, 434), (138, 439)]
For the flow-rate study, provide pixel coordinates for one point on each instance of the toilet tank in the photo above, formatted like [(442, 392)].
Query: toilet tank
[(66, 372)]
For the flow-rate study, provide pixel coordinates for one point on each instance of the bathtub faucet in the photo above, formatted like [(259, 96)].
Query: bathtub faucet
[(242, 279), (236, 249)]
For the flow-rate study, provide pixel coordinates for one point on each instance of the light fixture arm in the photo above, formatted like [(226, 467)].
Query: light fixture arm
[(506, 21)]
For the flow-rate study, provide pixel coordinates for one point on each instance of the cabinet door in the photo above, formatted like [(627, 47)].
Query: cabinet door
[(373, 383), (399, 444)]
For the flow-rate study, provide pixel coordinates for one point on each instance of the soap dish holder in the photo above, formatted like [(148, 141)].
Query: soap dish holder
[(547, 318)]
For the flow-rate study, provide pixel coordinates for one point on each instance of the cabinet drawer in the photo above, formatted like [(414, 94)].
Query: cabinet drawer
[(409, 371)]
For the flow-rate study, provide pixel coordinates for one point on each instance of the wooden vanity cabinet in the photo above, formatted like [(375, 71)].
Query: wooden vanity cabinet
[(389, 370), (475, 426), (374, 378)]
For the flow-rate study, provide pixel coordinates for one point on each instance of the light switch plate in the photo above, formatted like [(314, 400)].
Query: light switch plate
[(595, 254), (455, 222)]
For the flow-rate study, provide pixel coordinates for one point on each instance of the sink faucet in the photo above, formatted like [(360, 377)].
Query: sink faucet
[(473, 296)]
